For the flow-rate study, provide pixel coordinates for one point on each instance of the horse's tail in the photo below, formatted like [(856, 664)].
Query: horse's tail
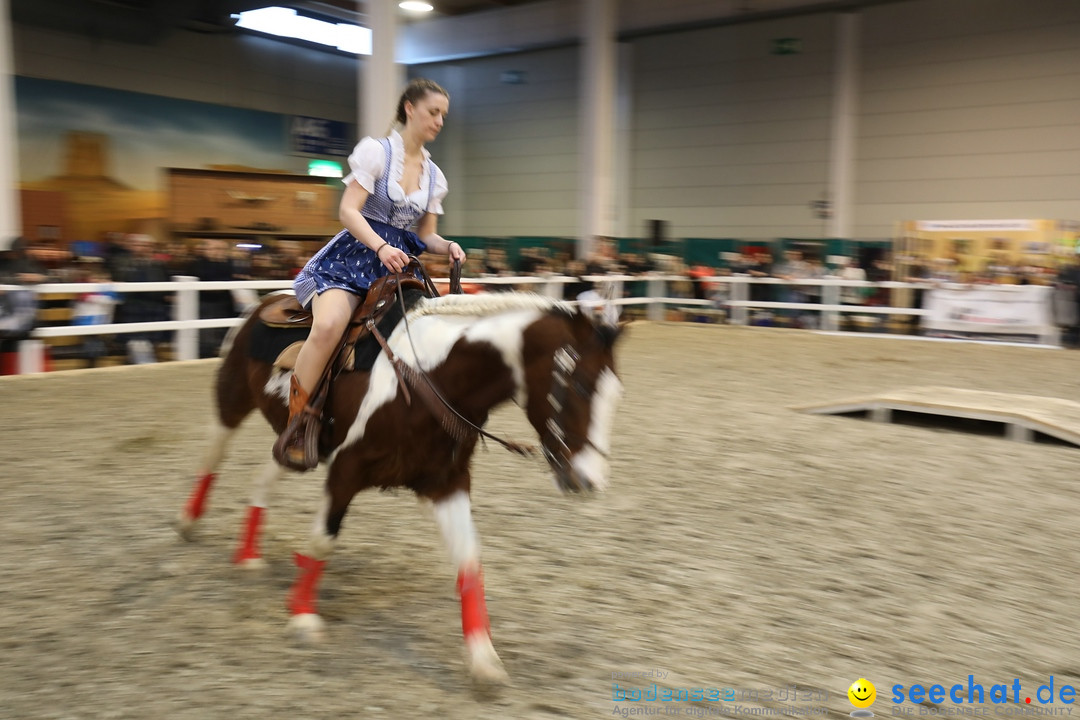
[(235, 397)]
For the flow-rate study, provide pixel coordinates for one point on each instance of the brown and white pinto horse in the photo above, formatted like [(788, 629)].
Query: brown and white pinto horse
[(480, 351)]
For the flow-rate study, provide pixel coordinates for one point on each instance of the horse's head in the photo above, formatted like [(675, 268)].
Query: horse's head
[(572, 395)]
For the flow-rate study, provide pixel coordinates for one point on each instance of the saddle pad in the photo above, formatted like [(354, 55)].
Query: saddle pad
[(267, 342)]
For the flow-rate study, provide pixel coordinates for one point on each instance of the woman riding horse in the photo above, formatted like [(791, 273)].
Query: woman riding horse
[(393, 186)]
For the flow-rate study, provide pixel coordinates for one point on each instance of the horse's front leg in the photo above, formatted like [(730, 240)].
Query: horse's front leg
[(247, 553), (304, 620), (454, 516)]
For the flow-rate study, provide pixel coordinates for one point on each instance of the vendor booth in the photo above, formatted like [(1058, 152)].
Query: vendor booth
[(992, 277), (1000, 251)]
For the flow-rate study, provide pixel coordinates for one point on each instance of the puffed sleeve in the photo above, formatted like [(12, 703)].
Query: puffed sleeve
[(441, 189), (367, 162)]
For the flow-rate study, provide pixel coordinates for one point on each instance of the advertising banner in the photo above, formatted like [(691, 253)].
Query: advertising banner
[(1002, 312)]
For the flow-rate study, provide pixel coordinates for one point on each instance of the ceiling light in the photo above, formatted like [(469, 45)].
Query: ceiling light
[(415, 6), (285, 22)]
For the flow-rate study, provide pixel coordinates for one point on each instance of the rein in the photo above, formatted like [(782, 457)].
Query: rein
[(453, 422)]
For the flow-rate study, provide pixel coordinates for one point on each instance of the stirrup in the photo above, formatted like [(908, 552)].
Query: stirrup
[(297, 448)]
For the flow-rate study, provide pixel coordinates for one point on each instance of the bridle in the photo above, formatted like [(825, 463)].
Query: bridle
[(564, 379)]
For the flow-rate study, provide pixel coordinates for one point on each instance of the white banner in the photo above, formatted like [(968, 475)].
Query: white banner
[(989, 310), (975, 225)]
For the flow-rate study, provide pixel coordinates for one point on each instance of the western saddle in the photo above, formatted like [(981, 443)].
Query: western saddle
[(381, 297)]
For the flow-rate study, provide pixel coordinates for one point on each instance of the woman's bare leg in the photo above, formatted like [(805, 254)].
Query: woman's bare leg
[(332, 311)]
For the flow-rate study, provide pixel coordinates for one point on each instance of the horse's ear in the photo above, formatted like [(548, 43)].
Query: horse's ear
[(609, 334)]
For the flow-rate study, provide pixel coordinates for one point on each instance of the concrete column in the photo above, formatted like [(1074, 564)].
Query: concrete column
[(381, 79), (597, 136), (623, 118), (844, 126), (10, 212)]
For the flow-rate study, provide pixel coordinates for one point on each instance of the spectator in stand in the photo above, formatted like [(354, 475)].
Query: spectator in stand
[(697, 274), (139, 264), (94, 308), (531, 261), (212, 264), (116, 251), (792, 268), (18, 306), (241, 261), (576, 268), (635, 263), (1066, 302), (265, 263), (602, 259), (495, 262), (759, 265), (852, 294), (19, 268), (179, 260)]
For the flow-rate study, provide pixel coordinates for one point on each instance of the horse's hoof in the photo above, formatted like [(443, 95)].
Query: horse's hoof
[(185, 526), (307, 628), (253, 564), (485, 667)]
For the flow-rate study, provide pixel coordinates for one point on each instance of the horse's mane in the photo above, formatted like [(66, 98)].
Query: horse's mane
[(486, 304)]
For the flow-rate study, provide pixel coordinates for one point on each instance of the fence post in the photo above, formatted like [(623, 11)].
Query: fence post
[(553, 288), (186, 307), (740, 291), (657, 290), (31, 357), (830, 295)]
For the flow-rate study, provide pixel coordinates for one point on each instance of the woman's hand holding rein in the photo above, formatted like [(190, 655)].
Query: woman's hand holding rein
[(394, 259), (458, 254)]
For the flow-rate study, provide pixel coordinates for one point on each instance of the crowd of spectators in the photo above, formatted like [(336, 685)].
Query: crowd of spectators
[(137, 257), (142, 258)]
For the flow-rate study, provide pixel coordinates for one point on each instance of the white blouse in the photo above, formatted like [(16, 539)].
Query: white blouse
[(368, 160)]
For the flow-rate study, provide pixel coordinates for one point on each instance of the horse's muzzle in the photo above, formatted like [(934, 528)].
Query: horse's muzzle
[(586, 472)]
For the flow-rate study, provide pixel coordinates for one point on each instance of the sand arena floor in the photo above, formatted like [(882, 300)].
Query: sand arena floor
[(741, 545)]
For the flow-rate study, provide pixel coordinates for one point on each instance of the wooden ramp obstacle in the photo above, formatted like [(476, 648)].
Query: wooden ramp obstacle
[(1024, 417)]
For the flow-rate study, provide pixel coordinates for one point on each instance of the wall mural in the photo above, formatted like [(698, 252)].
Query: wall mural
[(96, 155)]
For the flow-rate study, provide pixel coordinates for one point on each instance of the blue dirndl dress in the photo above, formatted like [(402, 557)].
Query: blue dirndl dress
[(346, 263)]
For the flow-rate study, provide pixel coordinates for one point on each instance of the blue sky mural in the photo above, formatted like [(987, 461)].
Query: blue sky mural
[(146, 132)]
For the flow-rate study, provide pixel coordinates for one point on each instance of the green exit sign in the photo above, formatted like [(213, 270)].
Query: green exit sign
[(786, 46)]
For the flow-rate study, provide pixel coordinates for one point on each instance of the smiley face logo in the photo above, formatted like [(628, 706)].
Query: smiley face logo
[(862, 694)]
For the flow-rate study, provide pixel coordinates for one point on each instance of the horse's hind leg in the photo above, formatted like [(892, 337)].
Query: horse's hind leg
[(235, 401), (454, 517), (211, 459), (247, 554)]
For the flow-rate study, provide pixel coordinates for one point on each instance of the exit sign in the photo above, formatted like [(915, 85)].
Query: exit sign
[(786, 46)]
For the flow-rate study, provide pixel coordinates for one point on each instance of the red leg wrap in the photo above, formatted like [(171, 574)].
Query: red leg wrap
[(302, 598), (249, 546), (196, 505), (470, 588)]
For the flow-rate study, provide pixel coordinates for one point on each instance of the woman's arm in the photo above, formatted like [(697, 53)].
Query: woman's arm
[(437, 243), (352, 200)]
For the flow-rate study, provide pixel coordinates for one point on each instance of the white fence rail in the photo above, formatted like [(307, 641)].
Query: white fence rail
[(729, 292)]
